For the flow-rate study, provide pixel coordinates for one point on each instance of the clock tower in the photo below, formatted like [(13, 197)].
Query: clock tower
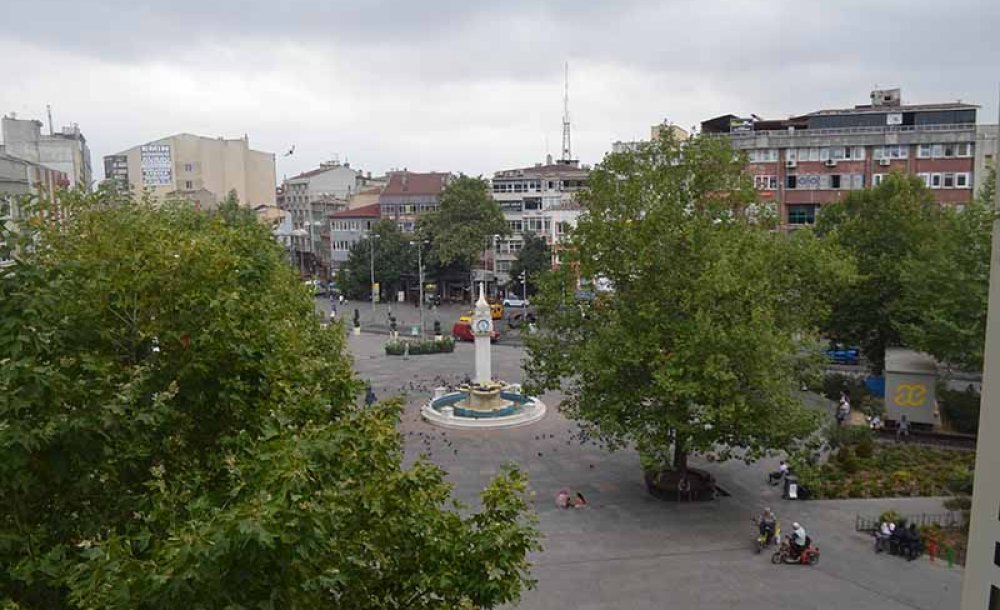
[(482, 328)]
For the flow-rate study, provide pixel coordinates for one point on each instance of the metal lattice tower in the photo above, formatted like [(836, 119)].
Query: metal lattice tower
[(567, 154)]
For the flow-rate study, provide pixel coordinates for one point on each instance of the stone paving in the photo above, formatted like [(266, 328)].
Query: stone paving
[(628, 550)]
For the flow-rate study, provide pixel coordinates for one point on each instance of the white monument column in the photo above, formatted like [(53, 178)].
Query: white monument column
[(482, 328)]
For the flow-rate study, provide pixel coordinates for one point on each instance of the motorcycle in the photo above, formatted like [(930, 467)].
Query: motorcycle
[(769, 536), (785, 554)]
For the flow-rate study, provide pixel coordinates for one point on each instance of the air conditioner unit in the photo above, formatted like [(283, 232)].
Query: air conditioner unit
[(831, 163), (791, 164), (884, 162)]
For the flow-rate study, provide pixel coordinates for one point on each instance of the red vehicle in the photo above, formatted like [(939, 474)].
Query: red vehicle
[(463, 332)]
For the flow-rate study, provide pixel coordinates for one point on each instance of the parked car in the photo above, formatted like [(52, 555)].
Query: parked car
[(513, 301), (516, 317), (840, 354), (463, 332), (496, 312)]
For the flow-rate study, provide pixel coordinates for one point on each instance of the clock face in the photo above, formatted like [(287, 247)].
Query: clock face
[(483, 326)]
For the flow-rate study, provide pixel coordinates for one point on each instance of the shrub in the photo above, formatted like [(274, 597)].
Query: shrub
[(865, 447), (845, 436), (835, 383), (960, 408), (846, 459), (419, 347)]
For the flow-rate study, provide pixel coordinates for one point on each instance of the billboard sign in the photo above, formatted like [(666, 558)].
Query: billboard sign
[(156, 166), (740, 125)]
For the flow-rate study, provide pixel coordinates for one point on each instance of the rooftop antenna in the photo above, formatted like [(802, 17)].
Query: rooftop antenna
[(567, 155), (48, 110)]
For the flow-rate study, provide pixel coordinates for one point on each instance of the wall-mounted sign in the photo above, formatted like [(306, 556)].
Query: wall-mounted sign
[(894, 118), (156, 165), (738, 125)]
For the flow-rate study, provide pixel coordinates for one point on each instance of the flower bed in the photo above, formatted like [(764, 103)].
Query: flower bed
[(418, 347), (879, 471)]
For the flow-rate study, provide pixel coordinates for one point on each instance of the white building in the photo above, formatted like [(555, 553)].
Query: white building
[(64, 151), (539, 200), (311, 197)]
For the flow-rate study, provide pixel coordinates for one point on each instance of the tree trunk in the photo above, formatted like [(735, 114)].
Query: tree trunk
[(680, 457)]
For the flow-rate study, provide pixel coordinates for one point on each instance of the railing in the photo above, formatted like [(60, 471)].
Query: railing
[(843, 131), (943, 520)]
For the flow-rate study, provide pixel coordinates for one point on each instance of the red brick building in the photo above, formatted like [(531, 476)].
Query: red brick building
[(808, 160)]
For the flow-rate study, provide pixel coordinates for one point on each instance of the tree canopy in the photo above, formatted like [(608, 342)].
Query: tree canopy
[(177, 430), (946, 284), (697, 347), (893, 231), (464, 221), (534, 258), (395, 259)]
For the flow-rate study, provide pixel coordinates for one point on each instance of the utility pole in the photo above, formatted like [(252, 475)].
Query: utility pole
[(371, 262), (420, 278)]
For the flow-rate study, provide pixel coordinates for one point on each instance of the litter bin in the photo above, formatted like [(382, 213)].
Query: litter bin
[(791, 487)]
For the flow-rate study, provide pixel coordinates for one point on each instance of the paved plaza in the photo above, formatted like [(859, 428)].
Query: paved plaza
[(628, 550)]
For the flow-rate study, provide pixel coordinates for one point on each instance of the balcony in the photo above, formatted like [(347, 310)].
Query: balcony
[(845, 131)]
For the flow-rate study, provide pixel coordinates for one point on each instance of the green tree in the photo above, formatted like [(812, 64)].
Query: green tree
[(697, 346), (395, 259), (887, 230), (946, 284), (178, 431), (465, 219), (534, 258)]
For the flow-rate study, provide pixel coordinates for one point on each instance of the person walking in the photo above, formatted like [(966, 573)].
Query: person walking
[(370, 397)]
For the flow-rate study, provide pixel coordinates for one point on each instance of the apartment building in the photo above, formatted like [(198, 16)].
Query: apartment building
[(311, 197), (809, 160), (347, 228), (65, 151), (197, 169), (539, 200), (408, 195)]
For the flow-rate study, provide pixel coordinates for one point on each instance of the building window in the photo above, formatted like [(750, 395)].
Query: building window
[(188, 185), (994, 598), (949, 181), (802, 214), (515, 226), (765, 183), (962, 180), (762, 155), (926, 178), (877, 179), (790, 181), (935, 181), (924, 151), (835, 181), (857, 181)]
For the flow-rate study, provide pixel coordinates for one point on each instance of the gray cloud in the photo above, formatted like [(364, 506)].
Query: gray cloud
[(473, 86)]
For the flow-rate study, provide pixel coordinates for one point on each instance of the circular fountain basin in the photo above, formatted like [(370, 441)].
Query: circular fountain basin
[(497, 409)]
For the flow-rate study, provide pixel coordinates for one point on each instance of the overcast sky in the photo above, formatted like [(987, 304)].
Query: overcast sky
[(472, 85)]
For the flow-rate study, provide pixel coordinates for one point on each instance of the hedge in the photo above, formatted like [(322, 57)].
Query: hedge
[(418, 347)]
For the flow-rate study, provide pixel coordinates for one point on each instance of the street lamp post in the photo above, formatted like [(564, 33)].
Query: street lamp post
[(371, 262), (420, 279), (496, 281)]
